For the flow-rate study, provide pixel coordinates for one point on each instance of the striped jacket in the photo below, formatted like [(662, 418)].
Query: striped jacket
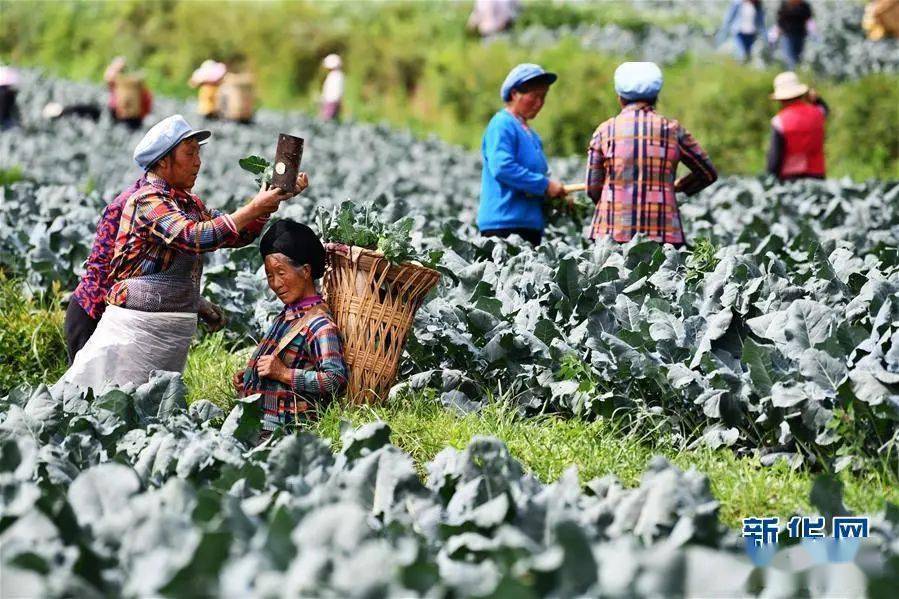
[(631, 167), (314, 353), (159, 221)]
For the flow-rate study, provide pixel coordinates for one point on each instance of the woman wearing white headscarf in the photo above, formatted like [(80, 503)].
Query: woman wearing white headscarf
[(332, 89)]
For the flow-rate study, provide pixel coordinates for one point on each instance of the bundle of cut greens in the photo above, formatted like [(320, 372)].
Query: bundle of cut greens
[(354, 225), (351, 225), (259, 166)]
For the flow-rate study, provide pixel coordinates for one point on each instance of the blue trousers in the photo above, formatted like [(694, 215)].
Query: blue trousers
[(791, 46), (744, 45)]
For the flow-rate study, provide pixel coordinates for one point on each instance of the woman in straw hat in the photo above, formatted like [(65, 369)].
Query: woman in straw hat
[(129, 99), (207, 79), (797, 132)]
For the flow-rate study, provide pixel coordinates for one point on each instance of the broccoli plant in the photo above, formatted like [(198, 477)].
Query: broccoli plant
[(260, 167)]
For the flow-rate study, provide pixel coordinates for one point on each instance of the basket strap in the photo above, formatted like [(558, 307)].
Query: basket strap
[(300, 326)]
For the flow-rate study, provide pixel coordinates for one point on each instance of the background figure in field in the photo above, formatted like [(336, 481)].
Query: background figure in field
[(632, 163), (489, 17), (129, 99), (794, 24), (9, 89), (744, 20), (207, 79), (797, 132), (55, 110), (332, 89)]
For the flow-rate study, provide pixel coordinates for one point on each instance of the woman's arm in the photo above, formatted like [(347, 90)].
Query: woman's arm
[(775, 152), (728, 23), (163, 219), (327, 376), (702, 171), (596, 169), (245, 236), (330, 373)]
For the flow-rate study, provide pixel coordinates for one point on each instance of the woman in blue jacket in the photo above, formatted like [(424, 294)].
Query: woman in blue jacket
[(514, 180)]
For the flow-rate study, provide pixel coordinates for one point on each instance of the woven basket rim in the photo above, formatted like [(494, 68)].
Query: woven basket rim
[(334, 248)]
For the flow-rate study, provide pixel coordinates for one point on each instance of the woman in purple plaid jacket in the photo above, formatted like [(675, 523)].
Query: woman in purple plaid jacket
[(632, 163)]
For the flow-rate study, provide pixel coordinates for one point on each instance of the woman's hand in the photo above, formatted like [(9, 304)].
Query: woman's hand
[(302, 182), (271, 367), (267, 200), (211, 315), (555, 189), (237, 381)]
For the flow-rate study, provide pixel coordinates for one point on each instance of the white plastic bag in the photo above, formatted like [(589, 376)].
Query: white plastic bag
[(128, 345)]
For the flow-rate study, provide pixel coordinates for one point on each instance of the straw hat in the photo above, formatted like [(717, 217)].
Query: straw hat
[(52, 110), (787, 86), (209, 72)]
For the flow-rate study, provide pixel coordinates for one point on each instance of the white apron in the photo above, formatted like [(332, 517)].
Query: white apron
[(128, 345), (151, 332)]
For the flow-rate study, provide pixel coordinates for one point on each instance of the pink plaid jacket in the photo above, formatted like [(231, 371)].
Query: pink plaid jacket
[(631, 167)]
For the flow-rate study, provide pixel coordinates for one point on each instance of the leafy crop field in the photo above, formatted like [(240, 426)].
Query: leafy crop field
[(775, 335), (413, 64), (137, 494)]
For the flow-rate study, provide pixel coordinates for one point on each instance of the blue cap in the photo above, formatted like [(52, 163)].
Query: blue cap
[(163, 137), (522, 74), (638, 80)]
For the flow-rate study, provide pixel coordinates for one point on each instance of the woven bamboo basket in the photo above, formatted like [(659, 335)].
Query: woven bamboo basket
[(128, 90), (237, 96), (374, 303), (881, 19)]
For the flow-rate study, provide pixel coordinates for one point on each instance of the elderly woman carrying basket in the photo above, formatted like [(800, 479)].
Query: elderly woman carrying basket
[(298, 365), (155, 272)]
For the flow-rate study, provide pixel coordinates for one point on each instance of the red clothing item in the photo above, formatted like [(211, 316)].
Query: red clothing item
[(157, 223), (802, 126), (146, 100), (95, 283)]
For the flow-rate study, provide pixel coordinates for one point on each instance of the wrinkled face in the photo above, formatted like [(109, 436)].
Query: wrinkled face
[(527, 101), (289, 282), (181, 166)]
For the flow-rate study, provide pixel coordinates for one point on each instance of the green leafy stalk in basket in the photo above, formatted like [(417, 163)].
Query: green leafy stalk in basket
[(258, 166), (393, 241), (351, 225)]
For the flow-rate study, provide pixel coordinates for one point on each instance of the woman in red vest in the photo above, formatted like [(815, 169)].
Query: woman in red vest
[(797, 132)]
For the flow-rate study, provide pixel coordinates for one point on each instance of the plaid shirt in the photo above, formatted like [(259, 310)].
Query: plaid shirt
[(94, 284), (316, 357), (159, 221), (631, 167)]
